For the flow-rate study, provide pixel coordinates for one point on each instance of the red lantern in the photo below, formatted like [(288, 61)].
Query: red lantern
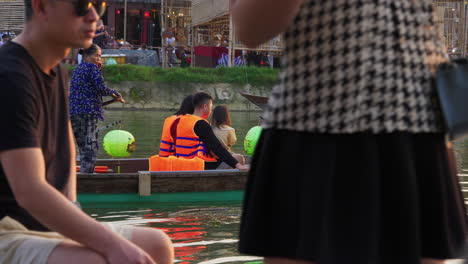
[(146, 14), (117, 11)]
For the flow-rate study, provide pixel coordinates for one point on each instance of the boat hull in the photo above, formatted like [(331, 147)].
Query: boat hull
[(134, 176)]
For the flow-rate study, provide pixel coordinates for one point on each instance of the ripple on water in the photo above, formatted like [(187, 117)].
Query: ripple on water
[(202, 233)]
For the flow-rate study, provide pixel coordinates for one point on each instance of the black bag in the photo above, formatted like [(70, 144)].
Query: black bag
[(452, 88)]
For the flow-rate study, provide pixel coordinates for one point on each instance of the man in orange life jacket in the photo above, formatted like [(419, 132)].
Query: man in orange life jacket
[(167, 144), (195, 138)]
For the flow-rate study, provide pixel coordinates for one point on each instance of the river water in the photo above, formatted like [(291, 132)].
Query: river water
[(202, 233)]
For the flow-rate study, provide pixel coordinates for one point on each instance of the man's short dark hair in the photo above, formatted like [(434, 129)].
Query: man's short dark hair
[(200, 99), (91, 50), (4, 36), (28, 9)]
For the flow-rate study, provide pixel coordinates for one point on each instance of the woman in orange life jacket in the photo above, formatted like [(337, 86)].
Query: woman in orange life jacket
[(195, 138), (167, 144), (221, 125)]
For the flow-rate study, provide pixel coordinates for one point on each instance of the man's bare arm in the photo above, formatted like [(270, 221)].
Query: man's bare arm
[(257, 21), (70, 191), (25, 171)]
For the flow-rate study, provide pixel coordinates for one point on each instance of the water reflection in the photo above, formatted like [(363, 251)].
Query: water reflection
[(201, 233)]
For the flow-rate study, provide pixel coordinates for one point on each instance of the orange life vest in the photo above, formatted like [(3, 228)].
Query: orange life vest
[(172, 163), (188, 143), (167, 144)]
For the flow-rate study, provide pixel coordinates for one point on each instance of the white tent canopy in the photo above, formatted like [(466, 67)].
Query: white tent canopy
[(206, 10)]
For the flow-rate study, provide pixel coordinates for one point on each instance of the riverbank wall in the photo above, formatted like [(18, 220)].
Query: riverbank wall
[(168, 96)]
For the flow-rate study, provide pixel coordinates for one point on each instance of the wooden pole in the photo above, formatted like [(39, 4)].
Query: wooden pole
[(125, 21), (462, 29), (231, 43), (194, 42), (144, 183), (163, 38)]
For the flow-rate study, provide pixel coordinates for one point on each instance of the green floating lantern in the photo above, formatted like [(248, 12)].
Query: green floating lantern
[(251, 139), (119, 143)]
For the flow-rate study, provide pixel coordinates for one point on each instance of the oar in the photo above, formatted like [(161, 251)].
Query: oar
[(110, 125), (109, 102)]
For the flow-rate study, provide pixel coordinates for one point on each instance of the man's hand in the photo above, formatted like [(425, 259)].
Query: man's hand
[(118, 98)]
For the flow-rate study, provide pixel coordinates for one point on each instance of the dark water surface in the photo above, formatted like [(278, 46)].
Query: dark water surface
[(204, 233)]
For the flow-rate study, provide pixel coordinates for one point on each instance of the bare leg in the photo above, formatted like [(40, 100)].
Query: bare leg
[(71, 252), (155, 242), (287, 261)]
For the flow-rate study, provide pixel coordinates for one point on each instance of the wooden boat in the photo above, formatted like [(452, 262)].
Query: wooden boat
[(132, 179), (260, 101)]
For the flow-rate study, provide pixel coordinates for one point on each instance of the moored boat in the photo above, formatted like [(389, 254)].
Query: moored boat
[(260, 101), (132, 179)]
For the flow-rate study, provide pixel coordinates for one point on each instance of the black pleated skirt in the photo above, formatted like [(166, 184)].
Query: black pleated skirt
[(353, 198)]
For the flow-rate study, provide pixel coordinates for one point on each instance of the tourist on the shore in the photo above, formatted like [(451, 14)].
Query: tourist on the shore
[(171, 49), (352, 165), (168, 135), (86, 91), (37, 153), (100, 35), (195, 138), (221, 125)]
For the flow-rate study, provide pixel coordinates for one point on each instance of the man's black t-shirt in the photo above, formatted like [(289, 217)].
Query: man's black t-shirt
[(33, 114), (206, 135)]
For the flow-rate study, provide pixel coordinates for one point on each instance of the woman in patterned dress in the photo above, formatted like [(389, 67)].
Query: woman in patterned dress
[(86, 91), (352, 166)]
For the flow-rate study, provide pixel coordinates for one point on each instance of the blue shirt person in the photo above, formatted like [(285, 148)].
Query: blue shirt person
[(86, 91)]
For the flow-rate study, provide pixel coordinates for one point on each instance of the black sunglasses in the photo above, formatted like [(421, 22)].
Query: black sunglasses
[(82, 7)]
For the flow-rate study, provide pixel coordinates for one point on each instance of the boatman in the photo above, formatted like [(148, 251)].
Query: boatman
[(37, 153), (195, 138)]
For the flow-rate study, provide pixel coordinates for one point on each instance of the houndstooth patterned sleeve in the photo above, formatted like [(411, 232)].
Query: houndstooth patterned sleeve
[(358, 66)]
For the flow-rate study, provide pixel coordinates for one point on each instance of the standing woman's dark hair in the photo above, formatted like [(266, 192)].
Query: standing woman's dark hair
[(186, 107), (221, 116), (90, 51)]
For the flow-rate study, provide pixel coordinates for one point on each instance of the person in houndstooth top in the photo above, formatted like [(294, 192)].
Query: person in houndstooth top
[(352, 166)]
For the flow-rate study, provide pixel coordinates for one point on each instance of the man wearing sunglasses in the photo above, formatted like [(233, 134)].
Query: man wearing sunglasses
[(37, 153)]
